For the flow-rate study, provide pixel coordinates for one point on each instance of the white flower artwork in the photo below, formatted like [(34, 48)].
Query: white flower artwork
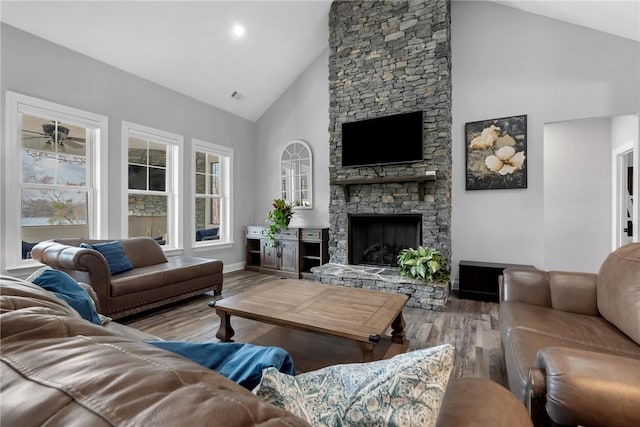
[(496, 153)]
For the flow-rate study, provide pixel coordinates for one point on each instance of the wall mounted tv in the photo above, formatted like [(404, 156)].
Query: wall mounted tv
[(383, 140)]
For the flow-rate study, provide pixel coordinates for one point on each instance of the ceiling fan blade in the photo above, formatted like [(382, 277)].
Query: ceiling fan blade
[(72, 143), (35, 137), (74, 138), (32, 131)]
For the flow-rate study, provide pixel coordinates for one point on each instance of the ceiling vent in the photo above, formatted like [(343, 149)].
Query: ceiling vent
[(237, 95)]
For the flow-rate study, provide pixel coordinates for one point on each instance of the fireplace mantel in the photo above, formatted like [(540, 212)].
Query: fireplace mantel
[(420, 179)]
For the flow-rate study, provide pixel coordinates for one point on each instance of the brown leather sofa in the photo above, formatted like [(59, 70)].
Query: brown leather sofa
[(58, 369), (572, 341), (154, 280)]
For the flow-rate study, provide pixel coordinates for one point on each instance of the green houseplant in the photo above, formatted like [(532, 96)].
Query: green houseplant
[(279, 218), (422, 263)]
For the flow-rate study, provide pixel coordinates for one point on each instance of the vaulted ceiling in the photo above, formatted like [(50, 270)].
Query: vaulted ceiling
[(190, 46)]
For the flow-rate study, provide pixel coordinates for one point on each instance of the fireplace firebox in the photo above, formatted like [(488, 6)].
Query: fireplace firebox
[(379, 239)]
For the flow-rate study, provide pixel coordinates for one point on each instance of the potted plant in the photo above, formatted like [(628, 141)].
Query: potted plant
[(279, 218), (422, 263)]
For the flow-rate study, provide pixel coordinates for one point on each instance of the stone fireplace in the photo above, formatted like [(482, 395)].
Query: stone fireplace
[(379, 239), (388, 58)]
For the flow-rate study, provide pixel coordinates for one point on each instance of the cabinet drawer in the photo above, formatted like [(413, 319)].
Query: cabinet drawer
[(256, 232), (312, 234), (288, 233)]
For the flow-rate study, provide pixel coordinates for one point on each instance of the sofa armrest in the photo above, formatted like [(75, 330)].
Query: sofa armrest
[(526, 285), (587, 388), (84, 265)]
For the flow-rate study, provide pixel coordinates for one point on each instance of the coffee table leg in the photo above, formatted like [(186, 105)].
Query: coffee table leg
[(225, 331), (367, 350), (397, 329)]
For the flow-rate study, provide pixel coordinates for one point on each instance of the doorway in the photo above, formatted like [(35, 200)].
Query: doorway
[(623, 191)]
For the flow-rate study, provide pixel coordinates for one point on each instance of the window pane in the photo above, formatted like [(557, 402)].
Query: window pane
[(137, 151), (137, 177), (147, 216), (201, 206), (201, 184), (157, 154), (214, 211), (52, 136), (157, 179), (201, 162), (214, 185), (53, 207), (51, 214)]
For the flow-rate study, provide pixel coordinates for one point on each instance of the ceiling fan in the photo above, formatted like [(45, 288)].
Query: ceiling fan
[(55, 132)]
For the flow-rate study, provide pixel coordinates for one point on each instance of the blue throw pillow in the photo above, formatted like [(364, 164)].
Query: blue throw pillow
[(67, 289), (113, 252), (241, 363)]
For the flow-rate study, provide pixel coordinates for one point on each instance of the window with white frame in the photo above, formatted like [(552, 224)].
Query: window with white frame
[(53, 153), (153, 180), (211, 188)]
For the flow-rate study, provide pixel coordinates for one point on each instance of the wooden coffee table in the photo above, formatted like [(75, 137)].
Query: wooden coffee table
[(360, 315)]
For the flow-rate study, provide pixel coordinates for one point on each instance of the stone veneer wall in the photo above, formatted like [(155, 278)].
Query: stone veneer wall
[(388, 58)]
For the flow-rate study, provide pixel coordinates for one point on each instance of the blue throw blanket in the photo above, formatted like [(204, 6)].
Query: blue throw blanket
[(241, 363)]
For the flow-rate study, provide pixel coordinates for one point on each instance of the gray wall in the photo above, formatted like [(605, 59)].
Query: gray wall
[(301, 112), (577, 194), (35, 67), (507, 62)]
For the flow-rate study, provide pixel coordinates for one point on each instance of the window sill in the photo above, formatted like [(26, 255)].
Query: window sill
[(212, 246)]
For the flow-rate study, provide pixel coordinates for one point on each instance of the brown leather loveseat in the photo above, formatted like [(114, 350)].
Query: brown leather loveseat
[(154, 280), (572, 341)]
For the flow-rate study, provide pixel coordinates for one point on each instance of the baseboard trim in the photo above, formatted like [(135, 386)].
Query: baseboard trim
[(230, 268)]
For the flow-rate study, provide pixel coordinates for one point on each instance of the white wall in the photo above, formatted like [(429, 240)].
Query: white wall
[(301, 112), (624, 129), (577, 194), (507, 62), (33, 66)]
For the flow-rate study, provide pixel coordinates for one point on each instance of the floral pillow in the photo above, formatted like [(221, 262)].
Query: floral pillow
[(406, 390)]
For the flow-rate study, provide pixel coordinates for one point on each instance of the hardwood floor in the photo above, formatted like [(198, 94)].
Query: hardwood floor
[(471, 326)]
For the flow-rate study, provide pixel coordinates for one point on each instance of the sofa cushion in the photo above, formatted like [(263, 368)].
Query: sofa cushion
[(66, 288), (592, 332), (66, 371), (619, 289), (404, 390), (113, 252), (176, 270)]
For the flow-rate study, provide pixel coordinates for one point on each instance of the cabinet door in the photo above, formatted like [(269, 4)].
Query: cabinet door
[(288, 255), (268, 255)]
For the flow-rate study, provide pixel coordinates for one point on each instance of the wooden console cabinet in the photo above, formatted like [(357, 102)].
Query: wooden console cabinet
[(479, 280), (297, 250)]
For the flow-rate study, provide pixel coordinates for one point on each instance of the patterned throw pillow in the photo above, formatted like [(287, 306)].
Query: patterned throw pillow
[(406, 390), (113, 252)]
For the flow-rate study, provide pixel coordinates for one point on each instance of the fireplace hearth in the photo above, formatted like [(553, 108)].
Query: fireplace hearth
[(379, 239)]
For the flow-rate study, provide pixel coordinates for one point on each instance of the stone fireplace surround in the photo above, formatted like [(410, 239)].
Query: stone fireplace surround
[(388, 58)]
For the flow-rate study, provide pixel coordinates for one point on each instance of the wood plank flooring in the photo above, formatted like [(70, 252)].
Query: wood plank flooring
[(471, 326)]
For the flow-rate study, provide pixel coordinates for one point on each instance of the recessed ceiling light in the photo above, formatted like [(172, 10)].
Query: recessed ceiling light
[(238, 30)]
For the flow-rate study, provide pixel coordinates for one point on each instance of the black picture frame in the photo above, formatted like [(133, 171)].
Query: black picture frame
[(496, 152)]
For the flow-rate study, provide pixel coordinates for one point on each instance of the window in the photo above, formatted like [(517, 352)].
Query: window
[(211, 184), (52, 158), (295, 174), (152, 184)]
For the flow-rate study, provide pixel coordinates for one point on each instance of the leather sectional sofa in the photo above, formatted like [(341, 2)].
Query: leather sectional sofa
[(572, 341), (154, 280), (59, 369)]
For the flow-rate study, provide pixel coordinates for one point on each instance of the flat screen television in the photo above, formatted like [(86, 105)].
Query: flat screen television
[(383, 140)]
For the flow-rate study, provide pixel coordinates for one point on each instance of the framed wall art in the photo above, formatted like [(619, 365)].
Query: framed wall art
[(496, 153)]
